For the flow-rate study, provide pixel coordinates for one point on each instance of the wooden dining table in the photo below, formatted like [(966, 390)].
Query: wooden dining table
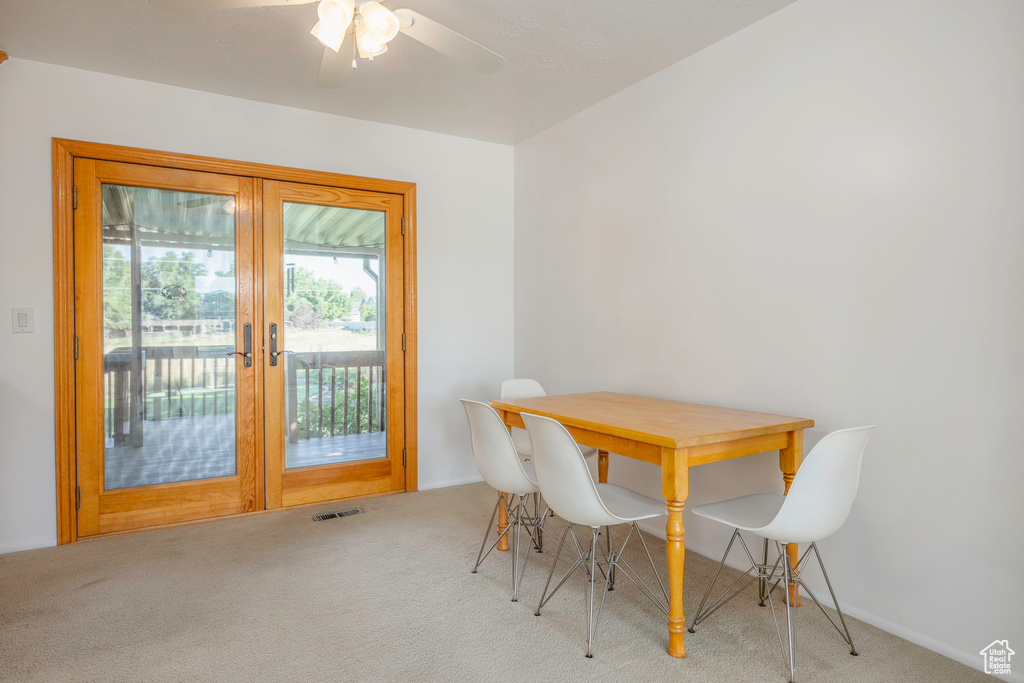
[(675, 436)]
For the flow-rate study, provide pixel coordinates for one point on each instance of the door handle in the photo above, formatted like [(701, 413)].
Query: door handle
[(274, 353), (247, 353)]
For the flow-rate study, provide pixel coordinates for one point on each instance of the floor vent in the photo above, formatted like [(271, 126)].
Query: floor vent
[(335, 515)]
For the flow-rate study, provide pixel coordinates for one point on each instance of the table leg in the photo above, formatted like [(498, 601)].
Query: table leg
[(502, 512), (602, 476), (502, 525), (790, 459), (676, 488)]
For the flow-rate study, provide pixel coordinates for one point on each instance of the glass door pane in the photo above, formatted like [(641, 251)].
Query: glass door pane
[(333, 265), (169, 321), (334, 313)]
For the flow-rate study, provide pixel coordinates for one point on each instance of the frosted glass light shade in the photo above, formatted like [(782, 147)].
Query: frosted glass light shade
[(335, 17), (336, 11), (368, 44), (331, 35), (380, 22)]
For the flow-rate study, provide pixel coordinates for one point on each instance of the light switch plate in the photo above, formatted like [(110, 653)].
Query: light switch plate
[(22, 319)]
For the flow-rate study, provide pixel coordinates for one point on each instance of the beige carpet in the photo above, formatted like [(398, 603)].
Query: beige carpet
[(382, 596)]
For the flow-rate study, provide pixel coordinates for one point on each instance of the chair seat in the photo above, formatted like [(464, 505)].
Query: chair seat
[(629, 505), (748, 513), (525, 448)]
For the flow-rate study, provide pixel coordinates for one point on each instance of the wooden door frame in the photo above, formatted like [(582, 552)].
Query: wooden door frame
[(64, 154)]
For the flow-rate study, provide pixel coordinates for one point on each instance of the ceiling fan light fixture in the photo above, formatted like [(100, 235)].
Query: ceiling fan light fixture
[(336, 11), (335, 17), (369, 45), (330, 35), (380, 22)]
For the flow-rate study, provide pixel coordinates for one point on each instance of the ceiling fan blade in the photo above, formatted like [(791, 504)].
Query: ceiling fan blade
[(195, 5), (448, 42), (336, 67)]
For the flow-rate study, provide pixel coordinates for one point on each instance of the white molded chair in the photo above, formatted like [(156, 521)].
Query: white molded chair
[(511, 389), (818, 504), (569, 489), (503, 469)]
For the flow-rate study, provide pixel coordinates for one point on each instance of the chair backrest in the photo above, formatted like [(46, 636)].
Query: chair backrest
[(562, 473), (521, 388), (496, 457), (822, 493)]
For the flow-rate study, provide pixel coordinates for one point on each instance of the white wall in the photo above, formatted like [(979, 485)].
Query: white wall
[(822, 216), (465, 239)]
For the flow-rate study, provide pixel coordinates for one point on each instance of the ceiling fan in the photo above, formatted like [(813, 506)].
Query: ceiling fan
[(368, 27)]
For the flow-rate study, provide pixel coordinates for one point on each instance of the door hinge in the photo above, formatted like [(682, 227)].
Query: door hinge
[(403, 226), (76, 348), (403, 342), (78, 497), (74, 197), (404, 456)]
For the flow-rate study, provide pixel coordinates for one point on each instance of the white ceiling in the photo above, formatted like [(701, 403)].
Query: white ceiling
[(562, 56)]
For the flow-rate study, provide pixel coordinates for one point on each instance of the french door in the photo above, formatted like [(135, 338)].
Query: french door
[(335, 429), (239, 344)]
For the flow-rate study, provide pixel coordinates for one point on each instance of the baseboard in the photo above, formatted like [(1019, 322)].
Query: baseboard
[(450, 482), (18, 546), (973, 660)]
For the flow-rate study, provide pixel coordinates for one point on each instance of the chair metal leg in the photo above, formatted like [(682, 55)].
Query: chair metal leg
[(545, 596), (842, 619), (761, 571), (517, 522), (762, 583), (514, 550), (516, 513), (650, 559), (618, 563), (534, 522), (769, 578), (611, 568), (791, 615), (594, 567), (538, 541), (700, 609), (591, 586), (487, 532), (771, 603), (522, 520)]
